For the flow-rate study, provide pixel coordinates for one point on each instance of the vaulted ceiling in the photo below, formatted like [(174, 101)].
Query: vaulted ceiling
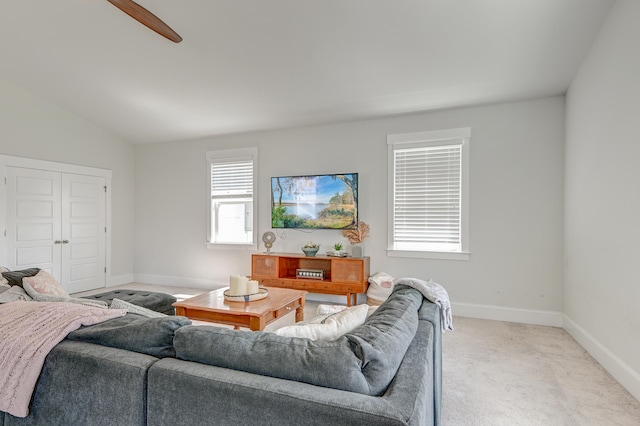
[(247, 65)]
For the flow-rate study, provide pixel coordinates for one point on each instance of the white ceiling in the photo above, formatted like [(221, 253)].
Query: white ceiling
[(248, 65)]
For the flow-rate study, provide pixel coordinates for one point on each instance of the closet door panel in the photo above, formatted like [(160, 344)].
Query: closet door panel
[(83, 230), (33, 220)]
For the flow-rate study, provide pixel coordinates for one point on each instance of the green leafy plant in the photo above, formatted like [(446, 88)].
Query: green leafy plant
[(338, 246)]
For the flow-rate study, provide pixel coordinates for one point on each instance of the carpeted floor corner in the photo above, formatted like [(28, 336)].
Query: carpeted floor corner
[(500, 373)]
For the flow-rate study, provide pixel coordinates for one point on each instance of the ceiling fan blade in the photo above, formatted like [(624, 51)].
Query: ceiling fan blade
[(146, 18)]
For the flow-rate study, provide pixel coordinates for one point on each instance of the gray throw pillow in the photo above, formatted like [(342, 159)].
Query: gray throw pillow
[(15, 277), (151, 336)]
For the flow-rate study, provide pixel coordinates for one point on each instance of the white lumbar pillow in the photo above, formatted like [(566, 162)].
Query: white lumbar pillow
[(331, 327)]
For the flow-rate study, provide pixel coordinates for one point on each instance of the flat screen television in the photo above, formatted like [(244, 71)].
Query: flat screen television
[(315, 201)]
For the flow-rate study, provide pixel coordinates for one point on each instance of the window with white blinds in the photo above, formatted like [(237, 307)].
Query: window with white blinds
[(232, 193), (428, 191), (232, 178)]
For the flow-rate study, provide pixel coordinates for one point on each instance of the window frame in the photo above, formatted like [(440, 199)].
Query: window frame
[(433, 138), (230, 154)]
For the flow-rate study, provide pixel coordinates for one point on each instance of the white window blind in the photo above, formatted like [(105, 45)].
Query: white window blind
[(232, 179), (427, 197), (426, 185), (232, 184)]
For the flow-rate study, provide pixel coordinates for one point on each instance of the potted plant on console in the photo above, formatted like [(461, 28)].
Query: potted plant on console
[(310, 248), (337, 250)]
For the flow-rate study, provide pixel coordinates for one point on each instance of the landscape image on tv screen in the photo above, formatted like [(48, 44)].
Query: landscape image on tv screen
[(315, 201)]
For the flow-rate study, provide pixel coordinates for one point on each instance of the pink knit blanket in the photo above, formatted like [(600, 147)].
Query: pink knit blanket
[(28, 331)]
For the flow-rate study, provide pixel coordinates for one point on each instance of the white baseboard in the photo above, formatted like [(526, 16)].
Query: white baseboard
[(333, 299), (119, 280), (623, 373), (179, 281), (499, 313)]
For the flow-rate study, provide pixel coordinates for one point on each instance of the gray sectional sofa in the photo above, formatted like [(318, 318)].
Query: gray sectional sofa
[(163, 371)]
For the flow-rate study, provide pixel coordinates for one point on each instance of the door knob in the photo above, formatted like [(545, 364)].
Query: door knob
[(65, 241), (57, 242)]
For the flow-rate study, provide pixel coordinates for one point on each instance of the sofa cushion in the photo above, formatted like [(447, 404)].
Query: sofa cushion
[(382, 341), (364, 360), (151, 336), (15, 277), (159, 302), (292, 358)]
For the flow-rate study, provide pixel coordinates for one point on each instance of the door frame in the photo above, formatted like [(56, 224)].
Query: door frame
[(52, 166)]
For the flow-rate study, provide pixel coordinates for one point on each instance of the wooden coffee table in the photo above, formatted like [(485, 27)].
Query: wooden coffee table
[(255, 315)]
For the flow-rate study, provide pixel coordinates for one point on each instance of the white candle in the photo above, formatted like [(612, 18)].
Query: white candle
[(244, 285), (252, 287), (237, 285), (233, 285)]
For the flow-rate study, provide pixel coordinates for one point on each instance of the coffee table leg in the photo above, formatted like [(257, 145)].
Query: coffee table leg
[(300, 311), (256, 323)]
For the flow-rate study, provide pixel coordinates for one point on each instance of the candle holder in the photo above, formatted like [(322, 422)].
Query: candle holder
[(261, 294)]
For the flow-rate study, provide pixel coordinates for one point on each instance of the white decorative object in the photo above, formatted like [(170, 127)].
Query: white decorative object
[(268, 238), (238, 285), (357, 250), (261, 294), (253, 287)]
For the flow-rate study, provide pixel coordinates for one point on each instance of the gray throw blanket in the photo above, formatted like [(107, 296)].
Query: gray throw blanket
[(435, 293)]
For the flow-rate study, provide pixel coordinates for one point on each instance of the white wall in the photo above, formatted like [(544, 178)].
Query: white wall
[(35, 128), (516, 203), (602, 217)]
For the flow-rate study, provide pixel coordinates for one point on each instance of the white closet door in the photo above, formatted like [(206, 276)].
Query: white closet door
[(33, 220), (83, 232)]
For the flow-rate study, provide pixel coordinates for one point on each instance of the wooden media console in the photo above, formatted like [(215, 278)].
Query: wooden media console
[(342, 275)]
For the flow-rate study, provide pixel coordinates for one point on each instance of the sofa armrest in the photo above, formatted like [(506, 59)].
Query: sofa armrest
[(86, 384), (430, 312)]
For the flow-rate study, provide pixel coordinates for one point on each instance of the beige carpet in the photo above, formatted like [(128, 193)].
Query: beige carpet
[(500, 373)]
